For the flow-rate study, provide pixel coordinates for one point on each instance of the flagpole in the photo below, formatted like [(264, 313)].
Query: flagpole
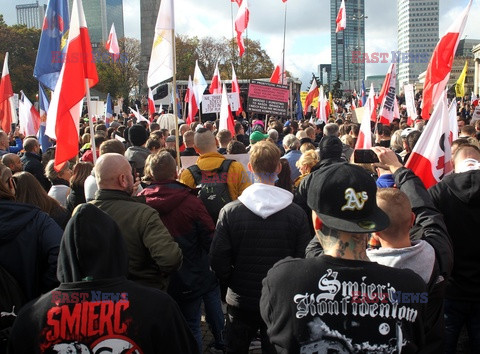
[(174, 83), (90, 123), (284, 34)]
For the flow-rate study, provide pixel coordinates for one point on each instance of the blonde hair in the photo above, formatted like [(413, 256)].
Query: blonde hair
[(264, 157), (306, 147), (309, 158)]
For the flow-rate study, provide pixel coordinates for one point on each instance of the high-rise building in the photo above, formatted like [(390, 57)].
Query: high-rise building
[(31, 15), (100, 14), (325, 74), (346, 43), (417, 37), (115, 15), (148, 19)]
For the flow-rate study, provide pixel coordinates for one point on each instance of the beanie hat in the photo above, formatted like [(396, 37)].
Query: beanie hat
[(137, 135)]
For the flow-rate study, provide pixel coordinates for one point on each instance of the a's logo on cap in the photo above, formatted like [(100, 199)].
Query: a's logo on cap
[(354, 200)]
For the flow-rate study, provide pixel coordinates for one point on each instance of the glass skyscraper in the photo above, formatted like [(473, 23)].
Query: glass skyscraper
[(347, 43), (417, 37)]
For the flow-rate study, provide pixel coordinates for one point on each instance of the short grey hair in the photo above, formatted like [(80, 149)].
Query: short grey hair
[(273, 134), (290, 142), (331, 129)]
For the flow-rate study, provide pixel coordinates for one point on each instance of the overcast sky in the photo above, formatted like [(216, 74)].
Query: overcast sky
[(308, 26)]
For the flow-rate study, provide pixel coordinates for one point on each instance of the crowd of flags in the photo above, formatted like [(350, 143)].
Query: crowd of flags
[(70, 81)]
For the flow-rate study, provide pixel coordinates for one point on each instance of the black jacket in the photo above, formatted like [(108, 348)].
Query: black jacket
[(29, 242), (105, 312), (457, 197), (33, 163), (246, 246)]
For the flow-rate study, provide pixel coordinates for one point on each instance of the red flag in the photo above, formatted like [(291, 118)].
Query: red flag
[(353, 105), (65, 109), (364, 140), (6, 95), (236, 88), (28, 116), (151, 104), (239, 2), (192, 102), (226, 117), (341, 18), (387, 97), (278, 75), (112, 44), (241, 24), (359, 103), (215, 85), (312, 93), (440, 66), (386, 83), (431, 157)]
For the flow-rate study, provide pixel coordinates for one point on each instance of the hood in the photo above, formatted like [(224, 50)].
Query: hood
[(166, 196), (13, 218), (420, 258), (265, 200), (92, 247), (137, 154), (465, 186)]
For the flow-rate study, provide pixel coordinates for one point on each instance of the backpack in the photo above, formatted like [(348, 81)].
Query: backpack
[(11, 300), (213, 187)]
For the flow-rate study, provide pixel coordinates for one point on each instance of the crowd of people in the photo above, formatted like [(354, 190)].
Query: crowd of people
[(122, 250)]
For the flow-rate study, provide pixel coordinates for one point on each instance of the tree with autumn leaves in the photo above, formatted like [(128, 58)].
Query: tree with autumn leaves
[(120, 77)]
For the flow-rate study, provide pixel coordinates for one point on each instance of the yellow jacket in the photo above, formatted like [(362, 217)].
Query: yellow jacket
[(237, 178)]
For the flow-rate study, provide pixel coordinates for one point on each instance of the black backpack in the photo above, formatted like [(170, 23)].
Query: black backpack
[(11, 300), (213, 187)]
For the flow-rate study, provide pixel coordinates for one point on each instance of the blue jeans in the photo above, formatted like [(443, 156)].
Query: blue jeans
[(214, 315), (191, 310), (458, 314)]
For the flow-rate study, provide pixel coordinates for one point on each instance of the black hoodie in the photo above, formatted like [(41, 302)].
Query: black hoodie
[(29, 242), (95, 308), (457, 197)]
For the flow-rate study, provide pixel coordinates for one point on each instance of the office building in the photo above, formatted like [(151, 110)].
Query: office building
[(31, 15), (417, 37), (325, 74), (148, 19), (346, 43), (100, 14)]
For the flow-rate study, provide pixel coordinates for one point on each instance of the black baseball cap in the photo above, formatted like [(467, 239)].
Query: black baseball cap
[(344, 197)]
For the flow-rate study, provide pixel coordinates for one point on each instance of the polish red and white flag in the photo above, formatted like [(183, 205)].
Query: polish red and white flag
[(364, 140), (7, 108), (431, 158), (312, 93), (216, 84), (341, 18), (241, 24), (112, 44), (151, 104), (440, 66), (192, 102), (236, 89), (29, 117), (388, 97), (63, 116), (226, 116)]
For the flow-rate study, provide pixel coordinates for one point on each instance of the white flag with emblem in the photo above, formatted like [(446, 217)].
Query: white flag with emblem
[(161, 60)]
